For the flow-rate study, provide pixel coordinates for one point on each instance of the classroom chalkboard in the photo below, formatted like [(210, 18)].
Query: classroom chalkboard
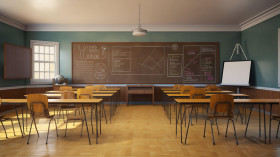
[(145, 62)]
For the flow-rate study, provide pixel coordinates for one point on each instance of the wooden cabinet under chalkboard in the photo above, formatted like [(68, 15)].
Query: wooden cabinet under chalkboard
[(145, 62)]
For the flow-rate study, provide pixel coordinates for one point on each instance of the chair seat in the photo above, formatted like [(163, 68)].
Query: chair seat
[(75, 118), (219, 117), (43, 116), (277, 117)]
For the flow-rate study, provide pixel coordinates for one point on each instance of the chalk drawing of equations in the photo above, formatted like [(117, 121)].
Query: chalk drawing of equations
[(175, 63), (121, 60)]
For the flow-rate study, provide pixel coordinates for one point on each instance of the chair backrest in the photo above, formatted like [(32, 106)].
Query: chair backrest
[(68, 95), (212, 88), (177, 86), (84, 93), (38, 104), (100, 87), (197, 93), (186, 89), (91, 87), (65, 88), (222, 103)]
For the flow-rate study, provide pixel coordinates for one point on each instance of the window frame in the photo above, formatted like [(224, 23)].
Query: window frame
[(44, 43)]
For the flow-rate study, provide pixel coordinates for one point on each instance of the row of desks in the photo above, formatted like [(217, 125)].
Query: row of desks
[(249, 102), (96, 102), (175, 95)]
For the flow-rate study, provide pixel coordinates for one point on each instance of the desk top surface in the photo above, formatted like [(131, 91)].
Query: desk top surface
[(208, 92), (94, 92), (207, 95), (238, 101), (54, 101)]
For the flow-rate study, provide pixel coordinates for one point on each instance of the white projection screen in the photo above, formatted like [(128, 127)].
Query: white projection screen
[(236, 73)]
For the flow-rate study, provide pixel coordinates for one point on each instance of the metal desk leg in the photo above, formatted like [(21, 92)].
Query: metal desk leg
[(260, 131), (176, 117), (22, 120), (96, 117), (100, 110), (19, 122), (86, 123), (270, 123), (248, 119), (264, 123)]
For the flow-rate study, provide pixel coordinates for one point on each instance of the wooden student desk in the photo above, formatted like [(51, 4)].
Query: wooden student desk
[(94, 92), (95, 102), (207, 92), (252, 102)]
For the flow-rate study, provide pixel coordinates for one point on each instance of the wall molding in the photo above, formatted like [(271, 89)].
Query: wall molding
[(12, 22), (265, 15), (129, 28)]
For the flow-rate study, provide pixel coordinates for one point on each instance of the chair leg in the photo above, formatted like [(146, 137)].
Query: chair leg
[(48, 131), (234, 132), (30, 131), (205, 127), (277, 129), (66, 128), (187, 131), (26, 119), (212, 132), (217, 127), (82, 128), (227, 128), (13, 127), (56, 127), (4, 128), (36, 127)]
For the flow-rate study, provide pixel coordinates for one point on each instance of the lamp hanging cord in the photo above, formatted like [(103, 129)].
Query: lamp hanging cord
[(139, 17)]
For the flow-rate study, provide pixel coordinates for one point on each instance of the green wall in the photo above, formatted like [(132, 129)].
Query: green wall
[(261, 44), (227, 41), (9, 34)]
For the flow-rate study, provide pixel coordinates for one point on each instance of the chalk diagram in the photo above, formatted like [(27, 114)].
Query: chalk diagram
[(93, 51), (152, 61), (100, 71)]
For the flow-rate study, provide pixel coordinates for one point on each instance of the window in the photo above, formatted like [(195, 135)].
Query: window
[(45, 61)]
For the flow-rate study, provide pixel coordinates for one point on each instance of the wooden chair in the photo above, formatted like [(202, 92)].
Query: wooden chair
[(39, 107), (277, 118), (65, 88), (71, 95), (212, 88), (186, 89), (4, 118), (195, 93), (86, 93), (222, 105)]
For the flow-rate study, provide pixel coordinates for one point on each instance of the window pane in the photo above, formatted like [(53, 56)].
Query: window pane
[(41, 49), (52, 50), (36, 49), (47, 49), (47, 57), (36, 66), (42, 67), (36, 75), (51, 57), (47, 75), (47, 66), (36, 57), (51, 66), (51, 75), (42, 75), (41, 57)]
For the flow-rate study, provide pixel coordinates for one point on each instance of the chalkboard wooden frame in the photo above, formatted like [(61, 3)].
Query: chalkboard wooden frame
[(163, 44)]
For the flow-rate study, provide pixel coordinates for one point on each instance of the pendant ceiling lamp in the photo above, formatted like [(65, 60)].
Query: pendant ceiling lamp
[(139, 31)]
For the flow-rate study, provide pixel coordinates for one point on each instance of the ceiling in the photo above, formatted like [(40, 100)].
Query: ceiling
[(125, 12)]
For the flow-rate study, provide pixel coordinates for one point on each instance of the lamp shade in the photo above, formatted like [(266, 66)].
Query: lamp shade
[(139, 32)]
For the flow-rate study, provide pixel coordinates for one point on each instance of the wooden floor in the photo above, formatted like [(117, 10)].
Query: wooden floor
[(139, 130)]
